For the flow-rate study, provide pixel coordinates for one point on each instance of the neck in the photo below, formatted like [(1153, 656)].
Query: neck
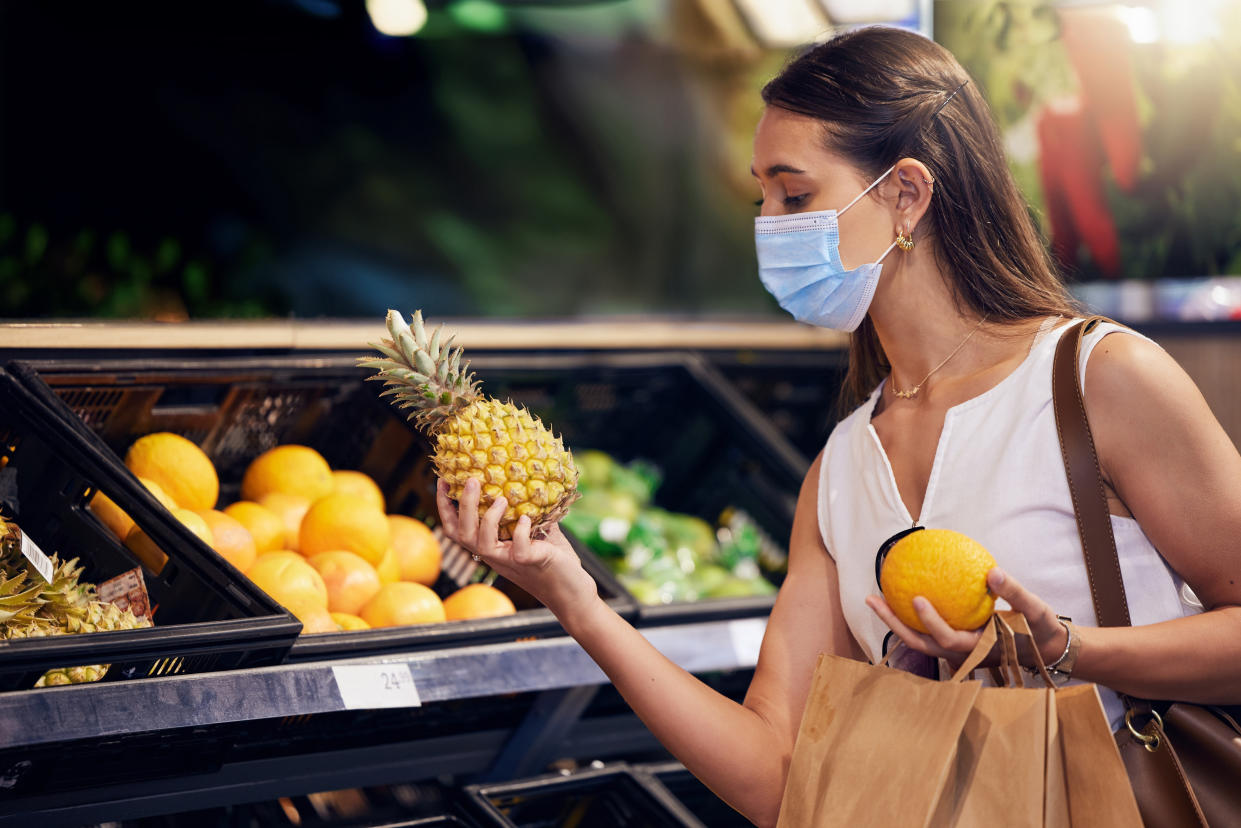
[(919, 324)]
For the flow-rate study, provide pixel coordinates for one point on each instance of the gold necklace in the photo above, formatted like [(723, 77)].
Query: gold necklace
[(913, 392)]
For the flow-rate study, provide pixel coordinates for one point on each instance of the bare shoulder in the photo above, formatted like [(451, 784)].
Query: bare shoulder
[(1130, 379)]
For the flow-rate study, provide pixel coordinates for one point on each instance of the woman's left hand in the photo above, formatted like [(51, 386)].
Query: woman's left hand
[(954, 645)]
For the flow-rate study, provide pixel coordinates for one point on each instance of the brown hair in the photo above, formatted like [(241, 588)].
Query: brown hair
[(884, 94)]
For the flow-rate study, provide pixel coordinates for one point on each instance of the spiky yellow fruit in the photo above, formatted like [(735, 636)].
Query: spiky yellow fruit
[(501, 445)]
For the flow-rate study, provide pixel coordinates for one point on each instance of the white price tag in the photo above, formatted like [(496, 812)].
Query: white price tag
[(747, 638), (40, 561), (369, 686)]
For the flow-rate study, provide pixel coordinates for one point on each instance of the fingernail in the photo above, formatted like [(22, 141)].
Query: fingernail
[(921, 603), (997, 577)]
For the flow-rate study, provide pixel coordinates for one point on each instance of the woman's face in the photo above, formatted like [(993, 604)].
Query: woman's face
[(797, 174)]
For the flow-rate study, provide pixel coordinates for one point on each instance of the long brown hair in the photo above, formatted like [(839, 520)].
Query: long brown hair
[(884, 94)]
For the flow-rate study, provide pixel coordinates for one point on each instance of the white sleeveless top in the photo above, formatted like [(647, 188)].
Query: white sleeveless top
[(998, 476)]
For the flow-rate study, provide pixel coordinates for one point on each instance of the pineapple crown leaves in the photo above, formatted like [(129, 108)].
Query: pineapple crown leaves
[(420, 373)]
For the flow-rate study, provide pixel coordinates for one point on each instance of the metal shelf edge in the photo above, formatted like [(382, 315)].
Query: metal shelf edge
[(110, 709)]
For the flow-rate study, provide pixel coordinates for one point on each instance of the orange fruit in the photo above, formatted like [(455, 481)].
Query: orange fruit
[(179, 467), (345, 621), (291, 469), (477, 601), (314, 618), (947, 568), (357, 483), (344, 521), (232, 539), (389, 566), (287, 577), (290, 508), (403, 603), (416, 548), (265, 526), (150, 554), (350, 580)]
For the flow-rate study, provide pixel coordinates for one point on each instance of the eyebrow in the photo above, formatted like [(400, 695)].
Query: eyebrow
[(776, 169)]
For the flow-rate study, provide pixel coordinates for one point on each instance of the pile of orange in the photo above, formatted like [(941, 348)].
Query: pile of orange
[(317, 540)]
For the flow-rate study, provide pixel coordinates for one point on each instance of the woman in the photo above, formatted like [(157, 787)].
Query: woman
[(955, 311)]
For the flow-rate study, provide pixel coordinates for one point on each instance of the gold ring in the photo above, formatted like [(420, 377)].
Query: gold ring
[(1151, 743)]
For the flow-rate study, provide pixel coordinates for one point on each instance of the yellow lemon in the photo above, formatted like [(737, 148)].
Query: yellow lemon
[(345, 621), (357, 483), (178, 466), (947, 568), (292, 469), (266, 527), (416, 548), (348, 522)]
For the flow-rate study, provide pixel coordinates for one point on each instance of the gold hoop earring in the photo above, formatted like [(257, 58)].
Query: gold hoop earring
[(904, 242)]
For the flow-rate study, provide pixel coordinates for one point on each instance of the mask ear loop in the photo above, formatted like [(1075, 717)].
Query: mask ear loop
[(872, 186)]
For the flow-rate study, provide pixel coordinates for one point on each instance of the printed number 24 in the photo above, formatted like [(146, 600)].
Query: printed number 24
[(392, 681)]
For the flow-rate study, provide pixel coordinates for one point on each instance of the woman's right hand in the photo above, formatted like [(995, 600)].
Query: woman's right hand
[(548, 568)]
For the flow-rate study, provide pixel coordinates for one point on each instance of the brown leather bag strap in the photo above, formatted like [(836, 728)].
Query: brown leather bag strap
[(1081, 464)]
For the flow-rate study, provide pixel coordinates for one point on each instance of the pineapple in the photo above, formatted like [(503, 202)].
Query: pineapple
[(32, 608), (503, 446)]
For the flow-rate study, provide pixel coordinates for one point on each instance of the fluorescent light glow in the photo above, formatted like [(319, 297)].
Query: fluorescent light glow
[(1143, 24), (397, 18)]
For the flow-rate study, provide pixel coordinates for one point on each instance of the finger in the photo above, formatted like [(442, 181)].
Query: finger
[(447, 509), (1048, 633), (468, 514), (489, 527), (951, 639), (912, 639), (523, 550)]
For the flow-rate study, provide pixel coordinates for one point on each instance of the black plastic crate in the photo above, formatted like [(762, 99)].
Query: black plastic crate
[(694, 795), (797, 391), (609, 797), (206, 618), (714, 447), (237, 408)]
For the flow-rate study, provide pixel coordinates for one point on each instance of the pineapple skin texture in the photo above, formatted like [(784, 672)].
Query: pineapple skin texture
[(512, 454)]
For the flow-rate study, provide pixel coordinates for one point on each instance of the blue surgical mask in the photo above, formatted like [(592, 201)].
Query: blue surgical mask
[(799, 263)]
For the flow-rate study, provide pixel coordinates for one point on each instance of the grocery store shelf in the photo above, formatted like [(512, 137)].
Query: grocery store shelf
[(641, 333), (81, 712)]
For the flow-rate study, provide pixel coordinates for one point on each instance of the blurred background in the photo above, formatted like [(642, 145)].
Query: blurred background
[(333, 158)]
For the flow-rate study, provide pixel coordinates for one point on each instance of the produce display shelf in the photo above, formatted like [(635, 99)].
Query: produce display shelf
[(111, 709)]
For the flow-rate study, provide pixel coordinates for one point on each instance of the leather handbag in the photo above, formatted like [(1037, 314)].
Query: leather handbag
[(1183, 760)]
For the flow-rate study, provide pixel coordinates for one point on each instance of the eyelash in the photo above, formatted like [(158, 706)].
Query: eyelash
[(789, 201)]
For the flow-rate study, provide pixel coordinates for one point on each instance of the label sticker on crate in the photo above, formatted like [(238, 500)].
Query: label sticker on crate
[(370, 686), (36, 557), (747, 637), (128, 591)]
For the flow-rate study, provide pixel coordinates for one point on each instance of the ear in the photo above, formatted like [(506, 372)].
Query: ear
[(915, 188)]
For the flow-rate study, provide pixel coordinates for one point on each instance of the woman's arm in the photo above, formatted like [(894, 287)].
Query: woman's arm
[(1171, 464), (740, 751)]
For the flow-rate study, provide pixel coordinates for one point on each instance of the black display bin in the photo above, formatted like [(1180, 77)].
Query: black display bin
[(206, 617), (609, 797), (236, 408), (714, 447), (694, 795)]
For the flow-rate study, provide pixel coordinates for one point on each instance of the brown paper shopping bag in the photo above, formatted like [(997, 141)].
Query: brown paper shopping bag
[(1008, 768), (875, 747), (1099, 792), (881, 747)]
